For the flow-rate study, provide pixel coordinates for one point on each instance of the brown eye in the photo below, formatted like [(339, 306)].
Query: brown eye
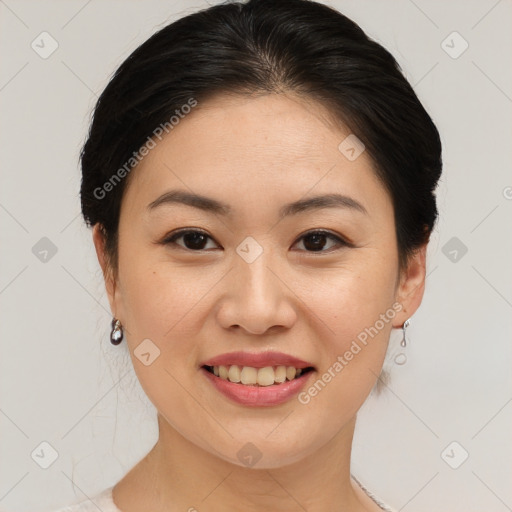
[(193, 240), (316, 241)]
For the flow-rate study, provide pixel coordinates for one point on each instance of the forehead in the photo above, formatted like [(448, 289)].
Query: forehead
[(273, 128), (259, 148)]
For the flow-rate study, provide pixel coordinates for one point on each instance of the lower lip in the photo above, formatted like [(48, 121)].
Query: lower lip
[(258, 396)]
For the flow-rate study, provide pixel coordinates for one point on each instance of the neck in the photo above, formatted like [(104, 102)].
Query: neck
[(178, 475)]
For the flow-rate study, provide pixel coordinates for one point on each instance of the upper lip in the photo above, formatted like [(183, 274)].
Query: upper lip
[(256, 360)]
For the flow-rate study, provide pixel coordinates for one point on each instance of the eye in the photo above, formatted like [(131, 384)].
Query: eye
[(192, 238), (314, 241)]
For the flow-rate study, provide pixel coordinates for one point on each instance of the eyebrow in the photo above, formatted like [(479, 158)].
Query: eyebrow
[(208, 204)]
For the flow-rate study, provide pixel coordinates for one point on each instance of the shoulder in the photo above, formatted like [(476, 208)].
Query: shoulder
[(102, 501)]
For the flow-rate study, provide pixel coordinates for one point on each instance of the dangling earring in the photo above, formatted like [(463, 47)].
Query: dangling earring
[(116, 336), (401, 357), (403, 343)]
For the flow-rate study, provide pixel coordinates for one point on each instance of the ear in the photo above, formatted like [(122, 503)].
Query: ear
[(110, 285), (412, 286)]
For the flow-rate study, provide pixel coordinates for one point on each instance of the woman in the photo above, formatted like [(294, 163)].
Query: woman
[(260, 181)]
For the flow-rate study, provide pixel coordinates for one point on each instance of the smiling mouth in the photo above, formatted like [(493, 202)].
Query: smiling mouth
[(257, 377)]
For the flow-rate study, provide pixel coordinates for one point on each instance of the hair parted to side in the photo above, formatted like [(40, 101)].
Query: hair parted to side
[(261, 47)]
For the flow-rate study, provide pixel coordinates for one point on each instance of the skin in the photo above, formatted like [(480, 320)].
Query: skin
[(254, 154)]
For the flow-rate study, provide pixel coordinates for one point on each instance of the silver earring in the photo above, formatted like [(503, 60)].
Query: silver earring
[(403, 343), (116, 336)]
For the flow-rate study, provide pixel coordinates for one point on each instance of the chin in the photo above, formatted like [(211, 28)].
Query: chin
[(257, 452)]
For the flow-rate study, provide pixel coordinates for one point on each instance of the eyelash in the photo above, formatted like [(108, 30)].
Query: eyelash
[(171, 240)]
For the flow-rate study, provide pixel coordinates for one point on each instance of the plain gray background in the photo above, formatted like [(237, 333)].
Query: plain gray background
[(62, 382)]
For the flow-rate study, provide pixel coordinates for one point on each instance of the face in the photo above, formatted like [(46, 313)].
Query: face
[(194, 284)]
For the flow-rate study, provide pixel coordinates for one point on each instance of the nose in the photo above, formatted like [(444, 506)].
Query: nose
[(257, 297)]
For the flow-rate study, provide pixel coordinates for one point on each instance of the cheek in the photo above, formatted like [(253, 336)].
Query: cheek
[(167, 304), (355, 306), (154, 293), (352, 353), (352, 298)]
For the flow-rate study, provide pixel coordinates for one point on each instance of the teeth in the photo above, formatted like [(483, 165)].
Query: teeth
[(234, 373), (280, 374), (290, 372), (251, 376), (266, 376), (223, 372)]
